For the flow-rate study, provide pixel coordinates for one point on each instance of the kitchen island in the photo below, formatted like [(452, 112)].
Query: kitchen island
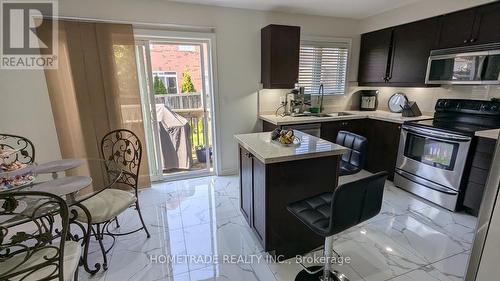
[(273, 176)]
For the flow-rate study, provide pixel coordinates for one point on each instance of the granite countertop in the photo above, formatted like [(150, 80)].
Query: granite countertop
[(260, 145), (490, 134), (378, 115)]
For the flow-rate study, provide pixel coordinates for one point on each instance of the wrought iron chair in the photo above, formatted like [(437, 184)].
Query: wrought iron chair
[(123, 148), (32, 244), (23, 149)]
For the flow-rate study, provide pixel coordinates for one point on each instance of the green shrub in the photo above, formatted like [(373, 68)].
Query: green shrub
[(159, 86), (187, 84)]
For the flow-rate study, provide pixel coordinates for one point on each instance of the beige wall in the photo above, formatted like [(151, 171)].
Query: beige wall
[(25, 110)]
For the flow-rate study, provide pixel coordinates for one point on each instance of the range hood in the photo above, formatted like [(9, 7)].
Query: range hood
[(475, 65)]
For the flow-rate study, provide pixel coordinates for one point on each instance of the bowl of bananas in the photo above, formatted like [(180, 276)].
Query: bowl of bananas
[(285, 138)]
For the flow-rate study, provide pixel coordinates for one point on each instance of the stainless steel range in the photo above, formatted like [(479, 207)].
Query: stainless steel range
[(434, 154)]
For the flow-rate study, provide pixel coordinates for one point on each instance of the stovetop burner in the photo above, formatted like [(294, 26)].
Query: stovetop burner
[(452, 126), (463, 116)]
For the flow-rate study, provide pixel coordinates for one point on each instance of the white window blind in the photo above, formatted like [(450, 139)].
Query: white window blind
[(323, 63)]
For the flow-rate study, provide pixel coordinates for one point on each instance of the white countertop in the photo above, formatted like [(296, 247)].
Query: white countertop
[(490, 134), (378, 115), (260, 145)]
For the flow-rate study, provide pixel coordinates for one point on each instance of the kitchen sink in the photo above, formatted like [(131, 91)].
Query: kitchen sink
[(333, 114)]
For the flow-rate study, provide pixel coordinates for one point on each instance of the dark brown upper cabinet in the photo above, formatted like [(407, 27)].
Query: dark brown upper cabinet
[(374, 57), (280, 48), (480, 25), (487, 25), (397, 56), (456, 29), (411, 47)]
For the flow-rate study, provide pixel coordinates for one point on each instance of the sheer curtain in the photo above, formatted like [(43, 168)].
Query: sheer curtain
[(95, 89)]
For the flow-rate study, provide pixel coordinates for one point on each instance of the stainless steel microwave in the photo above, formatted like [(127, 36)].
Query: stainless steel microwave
[(477, 65)]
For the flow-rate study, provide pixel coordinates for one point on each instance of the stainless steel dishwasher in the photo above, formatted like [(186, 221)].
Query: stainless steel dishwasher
[(311, 129)]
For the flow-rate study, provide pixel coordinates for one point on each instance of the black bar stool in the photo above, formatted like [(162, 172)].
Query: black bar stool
[(333, 212), (353, 160)]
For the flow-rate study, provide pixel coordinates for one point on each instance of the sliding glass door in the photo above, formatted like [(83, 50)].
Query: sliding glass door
[(176, 91)]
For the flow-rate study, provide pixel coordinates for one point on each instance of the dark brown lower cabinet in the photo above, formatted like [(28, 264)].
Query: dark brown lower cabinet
[(266, 190), (329, 130), (383, 144), (246, 184), (383, 141), (481, 164), (268, 127), (259, 195)]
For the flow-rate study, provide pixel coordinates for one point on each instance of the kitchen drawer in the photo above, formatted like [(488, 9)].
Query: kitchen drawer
[(486, 145), (478, 176), (482, 160), (473, 196)]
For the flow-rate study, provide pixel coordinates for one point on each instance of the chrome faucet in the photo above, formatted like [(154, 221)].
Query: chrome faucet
[(321, 92)]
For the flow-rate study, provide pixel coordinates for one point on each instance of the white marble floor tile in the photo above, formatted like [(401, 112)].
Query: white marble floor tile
[(135, 261), (228, 239), (375, 255), (459, 226), (200, 210), (410, 239), (450, 269), (287, 270), (424, 241), (230, 272)]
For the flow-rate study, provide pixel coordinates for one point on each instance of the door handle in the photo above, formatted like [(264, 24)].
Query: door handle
[(248, 155)]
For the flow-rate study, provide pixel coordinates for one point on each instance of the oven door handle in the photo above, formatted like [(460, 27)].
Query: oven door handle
[(438, 135), (426, 183)]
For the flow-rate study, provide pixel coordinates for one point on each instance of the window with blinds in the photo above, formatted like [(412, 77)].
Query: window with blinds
[(323, 63)]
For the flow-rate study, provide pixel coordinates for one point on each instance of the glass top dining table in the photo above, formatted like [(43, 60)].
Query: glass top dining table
[(74, 185)]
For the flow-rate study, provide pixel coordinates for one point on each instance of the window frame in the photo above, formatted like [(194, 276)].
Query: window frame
[(326, 41), (164, 75)]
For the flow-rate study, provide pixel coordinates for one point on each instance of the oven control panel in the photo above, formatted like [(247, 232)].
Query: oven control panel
[(468, 106)]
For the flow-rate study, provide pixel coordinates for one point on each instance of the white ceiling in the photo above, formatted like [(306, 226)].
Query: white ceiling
[(356, 9)]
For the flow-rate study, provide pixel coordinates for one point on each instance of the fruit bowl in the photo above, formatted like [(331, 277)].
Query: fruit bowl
[(295, 143), (284, 138)]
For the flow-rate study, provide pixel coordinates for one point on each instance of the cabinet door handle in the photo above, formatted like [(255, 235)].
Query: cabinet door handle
[(465, 41), (473, 40), (248, 155)]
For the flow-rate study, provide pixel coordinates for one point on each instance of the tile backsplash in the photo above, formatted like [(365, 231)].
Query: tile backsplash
[(426, 98)]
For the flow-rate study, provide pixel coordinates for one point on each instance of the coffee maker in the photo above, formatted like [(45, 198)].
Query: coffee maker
[(297, 101), (368, 100)]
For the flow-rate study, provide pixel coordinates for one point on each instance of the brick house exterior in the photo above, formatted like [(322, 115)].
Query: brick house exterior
[(176, 59)]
